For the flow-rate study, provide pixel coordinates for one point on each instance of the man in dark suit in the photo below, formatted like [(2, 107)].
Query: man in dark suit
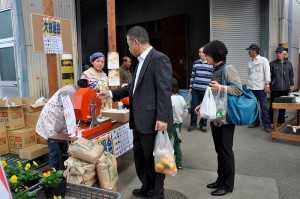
[(150, 108)]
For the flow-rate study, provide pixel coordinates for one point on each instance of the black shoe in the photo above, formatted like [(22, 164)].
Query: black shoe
[(140, 192), (203, 129), (214, 185), (254, 125), (179, 167), (152, 195), (268, 129), (191, 128), (219, 192)]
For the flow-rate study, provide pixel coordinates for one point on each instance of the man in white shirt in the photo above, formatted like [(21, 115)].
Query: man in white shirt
[(259, 83)]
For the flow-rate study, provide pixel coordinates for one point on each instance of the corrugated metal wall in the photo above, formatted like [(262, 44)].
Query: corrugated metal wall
[(5, 4), (237, 24), (66, 9), (37, 65)]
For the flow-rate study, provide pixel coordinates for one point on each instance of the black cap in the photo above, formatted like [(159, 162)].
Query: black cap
[(253, 47), (280, 49)]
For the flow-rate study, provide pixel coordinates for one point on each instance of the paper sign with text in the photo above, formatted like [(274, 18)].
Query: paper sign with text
[(69, 114)]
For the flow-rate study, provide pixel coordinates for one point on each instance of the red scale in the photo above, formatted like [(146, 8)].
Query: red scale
[(87, 107)]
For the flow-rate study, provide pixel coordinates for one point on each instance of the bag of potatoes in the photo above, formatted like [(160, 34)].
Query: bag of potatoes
[(85, 150)]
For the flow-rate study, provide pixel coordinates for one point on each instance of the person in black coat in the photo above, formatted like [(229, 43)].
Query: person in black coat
[(150, 108)]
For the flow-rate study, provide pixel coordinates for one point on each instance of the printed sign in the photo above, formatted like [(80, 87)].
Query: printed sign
[(106, 141), (114, 77), (69, 114), (113, 60), (123, 139), (52, 36)]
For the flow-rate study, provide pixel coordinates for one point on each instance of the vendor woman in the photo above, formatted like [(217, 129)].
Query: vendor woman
[(98, 62)]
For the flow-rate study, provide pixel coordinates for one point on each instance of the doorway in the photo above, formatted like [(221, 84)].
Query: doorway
[(168, 35)]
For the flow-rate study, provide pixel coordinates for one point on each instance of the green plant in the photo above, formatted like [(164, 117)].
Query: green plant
[(28, 173), (24, 195), (11, 170), (51, 177), (19, 177)]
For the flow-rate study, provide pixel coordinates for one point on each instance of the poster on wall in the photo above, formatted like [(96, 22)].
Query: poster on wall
[(52, 36)]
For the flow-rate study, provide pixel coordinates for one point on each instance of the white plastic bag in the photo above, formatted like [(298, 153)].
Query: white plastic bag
[(208, 107), (188, 100), (164, 155)]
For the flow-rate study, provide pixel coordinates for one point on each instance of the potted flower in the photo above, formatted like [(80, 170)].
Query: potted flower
[(53, 182), (28, 175), (19, 177)]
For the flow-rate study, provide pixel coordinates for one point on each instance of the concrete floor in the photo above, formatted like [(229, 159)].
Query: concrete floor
[(264, 169)]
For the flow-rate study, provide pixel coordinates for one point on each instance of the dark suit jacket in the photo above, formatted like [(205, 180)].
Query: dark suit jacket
[(151, 100)]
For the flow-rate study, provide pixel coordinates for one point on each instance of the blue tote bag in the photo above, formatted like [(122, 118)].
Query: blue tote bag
[(243, 109)]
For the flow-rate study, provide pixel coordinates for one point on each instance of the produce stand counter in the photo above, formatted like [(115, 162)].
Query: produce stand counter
[(281, 132), (116, 139)]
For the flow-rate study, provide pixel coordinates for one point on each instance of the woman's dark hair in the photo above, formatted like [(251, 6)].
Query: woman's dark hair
[(217, 50), (175, 89), (82, 83)]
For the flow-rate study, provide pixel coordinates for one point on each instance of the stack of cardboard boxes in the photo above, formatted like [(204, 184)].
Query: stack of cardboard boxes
[(15, 136)]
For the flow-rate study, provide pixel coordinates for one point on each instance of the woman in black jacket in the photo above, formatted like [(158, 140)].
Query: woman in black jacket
[(215, 53)]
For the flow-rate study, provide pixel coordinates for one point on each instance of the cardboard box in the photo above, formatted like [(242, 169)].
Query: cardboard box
[(33, 151), (21, 138), (3, 139), (29, 105), (41, 140), (114, 114), (31, 119), (11, 113)]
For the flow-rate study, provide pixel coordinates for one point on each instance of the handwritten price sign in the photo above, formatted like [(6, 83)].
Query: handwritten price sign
[(69, 114)]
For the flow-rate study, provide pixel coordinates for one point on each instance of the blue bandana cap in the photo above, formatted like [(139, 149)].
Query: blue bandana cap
[(95, 56)]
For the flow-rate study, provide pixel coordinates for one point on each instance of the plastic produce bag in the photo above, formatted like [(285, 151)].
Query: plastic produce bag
[(221, 104), (208, 107), (164, 155), (188, 101)]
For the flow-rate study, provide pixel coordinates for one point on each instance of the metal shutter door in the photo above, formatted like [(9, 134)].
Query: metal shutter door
[(237, 24)]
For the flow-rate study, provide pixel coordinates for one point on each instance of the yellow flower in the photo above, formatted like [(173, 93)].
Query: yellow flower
[(13, 179), (19, 164), (54, 169), (16, 190), (4, 164), (26, 187), (35, 164), (46, 174), (27, 166), (54, 197)]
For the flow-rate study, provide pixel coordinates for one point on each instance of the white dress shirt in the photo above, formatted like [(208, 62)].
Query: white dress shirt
[(141, 60), (258, 73)]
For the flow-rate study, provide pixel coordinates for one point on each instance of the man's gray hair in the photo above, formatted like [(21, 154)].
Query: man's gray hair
[(139, 33)]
